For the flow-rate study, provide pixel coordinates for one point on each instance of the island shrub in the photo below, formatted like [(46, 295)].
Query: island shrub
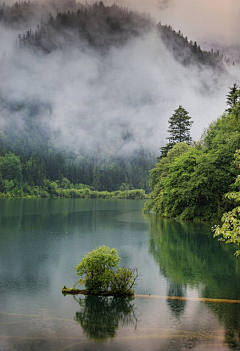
[(100, 273)]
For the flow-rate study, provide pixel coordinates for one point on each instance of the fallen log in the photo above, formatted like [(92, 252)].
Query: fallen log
[(72, 291)]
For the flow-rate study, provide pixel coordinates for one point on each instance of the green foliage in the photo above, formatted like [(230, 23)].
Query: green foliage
[(230, 229), (11, 167), (103, 172), (8, 188), (96, 267), (122, 281), (159, 175), (224, 131), (100, 273), (191, 184), (27, 177)]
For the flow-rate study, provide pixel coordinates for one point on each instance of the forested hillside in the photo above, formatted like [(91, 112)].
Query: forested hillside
[(102, 27), (43, 171), (191, 180)]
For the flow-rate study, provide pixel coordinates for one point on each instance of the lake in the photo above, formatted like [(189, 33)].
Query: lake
[(185, 295)]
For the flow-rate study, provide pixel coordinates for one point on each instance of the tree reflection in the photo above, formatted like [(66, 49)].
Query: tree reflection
[(100, 316), (189, 256), (177, 306)]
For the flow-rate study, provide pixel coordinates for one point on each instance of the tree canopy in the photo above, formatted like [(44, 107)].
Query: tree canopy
[(190, 182), (229, 231)]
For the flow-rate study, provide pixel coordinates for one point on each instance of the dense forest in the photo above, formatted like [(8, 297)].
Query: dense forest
[(47, 172)]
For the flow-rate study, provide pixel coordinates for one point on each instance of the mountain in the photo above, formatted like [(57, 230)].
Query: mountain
[(100, 27)]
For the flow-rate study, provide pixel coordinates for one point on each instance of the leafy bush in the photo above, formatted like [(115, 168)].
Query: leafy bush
[(123, 280), (229, 231), (100, 273)]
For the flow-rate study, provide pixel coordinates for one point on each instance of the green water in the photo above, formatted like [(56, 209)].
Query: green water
[(41, 241)]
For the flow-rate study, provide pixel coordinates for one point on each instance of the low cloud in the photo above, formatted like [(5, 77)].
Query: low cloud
[(91, 100)]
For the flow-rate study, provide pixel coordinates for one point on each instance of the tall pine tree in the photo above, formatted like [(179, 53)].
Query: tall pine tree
[(233, 97), (179, 129)]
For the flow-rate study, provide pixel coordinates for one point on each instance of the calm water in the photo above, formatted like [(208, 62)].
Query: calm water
[(41, 241)]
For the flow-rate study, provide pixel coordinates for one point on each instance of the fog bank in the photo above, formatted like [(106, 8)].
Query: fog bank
[(89, 99)]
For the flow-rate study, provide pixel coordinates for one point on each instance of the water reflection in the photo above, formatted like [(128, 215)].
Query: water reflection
[(42, 241), (177, 307), (100, 316), (192, 260), (190, 257)]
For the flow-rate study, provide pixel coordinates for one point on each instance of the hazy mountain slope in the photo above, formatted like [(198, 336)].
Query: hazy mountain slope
[(98, 77), (101, 27)]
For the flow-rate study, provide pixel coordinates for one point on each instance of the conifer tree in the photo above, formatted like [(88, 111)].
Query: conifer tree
[(233, 97), (179, 129)]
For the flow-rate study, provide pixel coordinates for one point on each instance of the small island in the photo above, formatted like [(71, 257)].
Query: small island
[(100, 274)]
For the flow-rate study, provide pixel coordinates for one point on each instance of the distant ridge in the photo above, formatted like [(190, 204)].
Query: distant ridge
[(69, 23)]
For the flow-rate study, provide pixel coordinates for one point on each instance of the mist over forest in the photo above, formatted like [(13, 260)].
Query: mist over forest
[(101, 81)]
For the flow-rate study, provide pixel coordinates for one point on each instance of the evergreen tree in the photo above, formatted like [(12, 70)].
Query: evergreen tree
[(233, 97), (179, 129), (164, 150)]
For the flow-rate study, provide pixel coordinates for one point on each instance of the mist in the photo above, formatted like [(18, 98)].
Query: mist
[(119, 101)]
